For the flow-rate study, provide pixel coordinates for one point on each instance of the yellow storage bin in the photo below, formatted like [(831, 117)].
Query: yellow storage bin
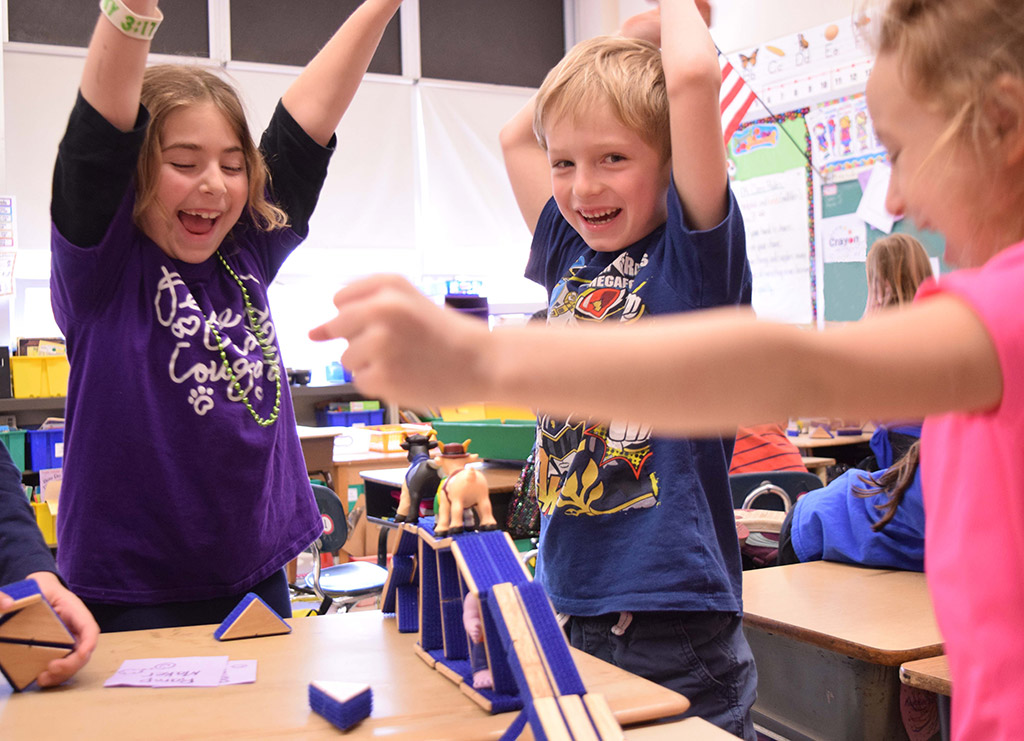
[(388, 438), (39, 376), (474, 412), (46, 518)]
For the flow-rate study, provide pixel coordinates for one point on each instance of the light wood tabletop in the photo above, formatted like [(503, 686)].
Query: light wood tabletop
[(410, 700), (930, 674), (877, 615), (806, 442), (501, 479)]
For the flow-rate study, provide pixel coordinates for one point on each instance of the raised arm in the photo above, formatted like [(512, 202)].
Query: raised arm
[(320, 95), (115, 62), (693, 79), (526, 164)]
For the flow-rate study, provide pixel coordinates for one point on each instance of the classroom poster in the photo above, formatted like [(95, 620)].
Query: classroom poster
[(774, 207), (795, 70), (768, 167)]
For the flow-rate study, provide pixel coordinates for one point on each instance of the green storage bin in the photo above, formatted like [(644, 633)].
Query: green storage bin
[(492, 439), (15, 442)]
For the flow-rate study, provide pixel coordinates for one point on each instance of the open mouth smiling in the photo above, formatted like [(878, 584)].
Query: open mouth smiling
[(599, 218), (198, 222)]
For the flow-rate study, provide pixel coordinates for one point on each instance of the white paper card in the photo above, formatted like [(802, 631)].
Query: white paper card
[(872, 204), (187, 671)]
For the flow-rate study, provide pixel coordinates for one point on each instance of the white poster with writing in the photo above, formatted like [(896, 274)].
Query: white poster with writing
[(843, 238), (775, 210)]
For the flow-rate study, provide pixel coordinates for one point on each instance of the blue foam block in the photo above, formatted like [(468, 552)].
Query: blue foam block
[(342, 703), (21, 589)]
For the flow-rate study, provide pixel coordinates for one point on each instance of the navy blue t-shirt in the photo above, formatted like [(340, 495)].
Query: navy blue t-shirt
[(632, 521)]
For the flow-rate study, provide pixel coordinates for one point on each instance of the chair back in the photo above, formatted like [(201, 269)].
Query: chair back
[(786, 486), (335, 522)]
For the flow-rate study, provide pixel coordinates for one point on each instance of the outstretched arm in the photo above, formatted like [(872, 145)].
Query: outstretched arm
[(693, 79), (687, 374), (526, 164), (114, 65), (320, 95)]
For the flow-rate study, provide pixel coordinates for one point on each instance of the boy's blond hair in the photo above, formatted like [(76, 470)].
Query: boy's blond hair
[(626, 73), (168, 87)]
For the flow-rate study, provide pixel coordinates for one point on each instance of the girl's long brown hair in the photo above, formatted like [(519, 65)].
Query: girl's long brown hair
[(895, 480)]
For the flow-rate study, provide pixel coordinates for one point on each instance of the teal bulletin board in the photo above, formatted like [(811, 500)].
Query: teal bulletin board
[(845, 284)]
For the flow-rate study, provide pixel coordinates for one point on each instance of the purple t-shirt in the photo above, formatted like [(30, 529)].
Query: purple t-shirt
[(172, 491)]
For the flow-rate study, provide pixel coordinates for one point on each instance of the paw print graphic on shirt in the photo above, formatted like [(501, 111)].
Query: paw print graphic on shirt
[(201, 398)]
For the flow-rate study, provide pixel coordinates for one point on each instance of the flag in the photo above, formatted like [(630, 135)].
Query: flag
[(735, 98)]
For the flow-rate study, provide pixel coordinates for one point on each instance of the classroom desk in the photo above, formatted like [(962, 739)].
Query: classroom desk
[(501, 481), (347, 468), (828, 640), (818, 465), (410, 700), (318, 449), (807, 443), (932, 675)]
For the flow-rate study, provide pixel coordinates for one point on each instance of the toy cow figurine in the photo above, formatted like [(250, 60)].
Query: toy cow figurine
[(421, 478), (461, 489)]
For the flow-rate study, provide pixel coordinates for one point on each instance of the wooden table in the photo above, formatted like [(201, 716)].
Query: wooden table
[(928, 674), (347, 468), (410, 700), (501, 481), (807, 443), (318, 449), (932, 675), (828, 640), (818, 465)]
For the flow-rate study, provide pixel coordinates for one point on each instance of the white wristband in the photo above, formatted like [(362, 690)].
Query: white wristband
[(129, 23)]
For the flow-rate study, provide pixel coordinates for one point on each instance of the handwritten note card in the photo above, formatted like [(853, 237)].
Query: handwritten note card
[(187, 671)]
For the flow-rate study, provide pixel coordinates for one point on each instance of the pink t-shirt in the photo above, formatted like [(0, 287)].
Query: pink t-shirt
[(973, 480)]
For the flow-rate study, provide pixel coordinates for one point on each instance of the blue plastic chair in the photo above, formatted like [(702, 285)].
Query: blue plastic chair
[(785, 485), (346, 583)]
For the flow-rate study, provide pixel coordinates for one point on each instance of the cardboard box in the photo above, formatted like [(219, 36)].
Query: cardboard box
[(363, 536)]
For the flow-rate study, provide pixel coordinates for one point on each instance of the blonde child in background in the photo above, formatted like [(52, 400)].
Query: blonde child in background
[(947, 98), (184, 482), (896, 265)]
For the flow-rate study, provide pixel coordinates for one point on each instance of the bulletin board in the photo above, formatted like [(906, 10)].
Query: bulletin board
[(811, 115)]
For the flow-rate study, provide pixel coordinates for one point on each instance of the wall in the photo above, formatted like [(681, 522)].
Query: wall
[(433, 201)]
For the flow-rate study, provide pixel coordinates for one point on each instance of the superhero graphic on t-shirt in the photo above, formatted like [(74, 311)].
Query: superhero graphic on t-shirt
[(586, 467)]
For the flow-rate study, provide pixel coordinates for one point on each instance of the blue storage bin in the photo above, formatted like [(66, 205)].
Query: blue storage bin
[(349, 419), (45, 449)]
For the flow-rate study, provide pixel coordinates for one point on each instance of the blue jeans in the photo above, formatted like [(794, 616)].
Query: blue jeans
[(703, 655)]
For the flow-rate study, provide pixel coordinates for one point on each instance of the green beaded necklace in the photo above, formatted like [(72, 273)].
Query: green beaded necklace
[(269, 355)]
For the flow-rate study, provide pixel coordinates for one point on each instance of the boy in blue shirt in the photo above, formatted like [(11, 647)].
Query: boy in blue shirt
[(619, 170)]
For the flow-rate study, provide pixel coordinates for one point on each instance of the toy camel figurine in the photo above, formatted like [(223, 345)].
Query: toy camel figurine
[(461, 489), (421, 478)]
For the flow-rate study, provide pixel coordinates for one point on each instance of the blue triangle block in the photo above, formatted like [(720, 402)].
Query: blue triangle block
[(251, 618)]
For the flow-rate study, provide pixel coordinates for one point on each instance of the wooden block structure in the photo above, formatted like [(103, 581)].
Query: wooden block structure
[(251, 618), (401, 589), (529, 658), (31, 635)]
